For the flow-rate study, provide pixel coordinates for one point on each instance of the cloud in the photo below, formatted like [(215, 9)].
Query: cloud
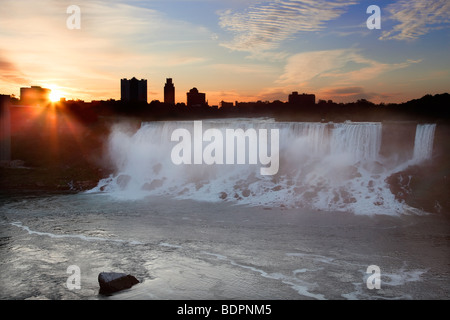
[(241, 69), (416, 18), (10, 73), (116, 40), (263, 26), (352, 94), (303, 67), (340, 66), (345, 91), (348, 94)]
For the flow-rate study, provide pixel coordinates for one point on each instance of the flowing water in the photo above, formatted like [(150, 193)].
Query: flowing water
[(322, 166), (227, 232)]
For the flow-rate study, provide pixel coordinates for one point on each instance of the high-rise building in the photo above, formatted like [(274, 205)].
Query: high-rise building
[(169, 92), (302, 99), (133, 90), (34, 95), (195, 98)]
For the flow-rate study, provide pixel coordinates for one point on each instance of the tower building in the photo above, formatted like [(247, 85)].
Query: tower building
[(169, 92)]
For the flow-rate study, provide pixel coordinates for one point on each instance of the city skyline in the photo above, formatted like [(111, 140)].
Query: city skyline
[(232, 50), (133, 91)]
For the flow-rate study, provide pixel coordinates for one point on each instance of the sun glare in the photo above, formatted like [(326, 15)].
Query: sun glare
[(55, 96)]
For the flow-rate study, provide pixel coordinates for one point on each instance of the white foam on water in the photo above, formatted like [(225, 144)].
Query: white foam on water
[(389, 281), (71, 236), (314, 257), (323, 166), (402, 277), (362, 293), (168, 245), (303, 288), (304, 270)]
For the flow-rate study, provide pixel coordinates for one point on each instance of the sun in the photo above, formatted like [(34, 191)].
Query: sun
[(55, 93), (55, 96)]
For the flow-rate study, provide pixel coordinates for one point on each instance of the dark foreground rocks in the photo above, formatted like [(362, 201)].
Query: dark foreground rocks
[(111, 282), (423, 187)]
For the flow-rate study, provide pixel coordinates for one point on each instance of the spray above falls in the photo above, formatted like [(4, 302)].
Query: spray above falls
[(322, 166)]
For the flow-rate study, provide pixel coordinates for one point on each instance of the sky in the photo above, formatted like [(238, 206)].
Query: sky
[(232, 50)]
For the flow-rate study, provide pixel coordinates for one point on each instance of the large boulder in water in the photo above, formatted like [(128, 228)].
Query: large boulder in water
[(111, 282)]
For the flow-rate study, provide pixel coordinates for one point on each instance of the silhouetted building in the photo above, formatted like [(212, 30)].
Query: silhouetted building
[(34, 95), (302, 99), (133, 90), (195, 98), (5, 128), (169, 92), (224, 104)]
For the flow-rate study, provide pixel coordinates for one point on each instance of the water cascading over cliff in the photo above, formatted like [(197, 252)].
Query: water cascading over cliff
[(423, 146), (322, 166)]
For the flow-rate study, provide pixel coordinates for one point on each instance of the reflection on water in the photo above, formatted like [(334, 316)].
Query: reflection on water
[(183, 249)]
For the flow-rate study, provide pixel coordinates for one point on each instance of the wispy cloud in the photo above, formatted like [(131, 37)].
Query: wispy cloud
[(263, 26), (346, 91), (416, 18), (347, 94), (242, 68), (340, 66), (10, 72), (352, 94)]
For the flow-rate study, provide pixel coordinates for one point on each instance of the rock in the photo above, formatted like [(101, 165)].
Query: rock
[(111, 282), (123, 180), (153, 185), (277, 188), (86, 184), (157, 168)]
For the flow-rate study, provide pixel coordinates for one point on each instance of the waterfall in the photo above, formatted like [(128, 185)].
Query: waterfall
[(361, 140), (423, 144), (324, 166)]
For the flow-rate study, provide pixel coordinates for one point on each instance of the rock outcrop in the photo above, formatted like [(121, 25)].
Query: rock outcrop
[(111, 282)]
